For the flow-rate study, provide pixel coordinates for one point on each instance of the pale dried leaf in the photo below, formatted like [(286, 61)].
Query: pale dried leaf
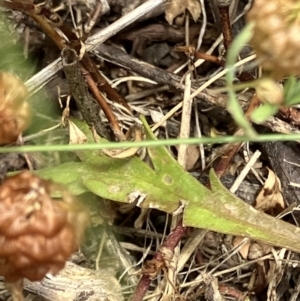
[(212, 240), (258, 250), (179, 7), (76, 136), (193, 155), (270, 198), (156, 116), (273, 273), (139, 222), (232, 170), (244, 250), (212, 292), (135, 133), (258, 279), (125, 208)]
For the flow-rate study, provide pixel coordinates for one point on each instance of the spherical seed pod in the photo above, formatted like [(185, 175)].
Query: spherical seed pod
[(15, 112), (269, 91), (276, 38), (37, 234)]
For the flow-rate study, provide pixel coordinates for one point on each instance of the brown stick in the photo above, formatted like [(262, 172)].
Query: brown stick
[(85, 102), (291, 114), (102, 83), (88, 64), (103, 104), (171, 242), (226, 25), (209, 57), (223, 6), (48, 29)]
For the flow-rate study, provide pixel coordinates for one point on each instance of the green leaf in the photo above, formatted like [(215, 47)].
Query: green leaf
[(166, 167), (129, 180), (124, 180), (223, 212), (263, 112), (167, 187), (68, 174), (291, 91), (288, 86), (293, 100), (11, 51)]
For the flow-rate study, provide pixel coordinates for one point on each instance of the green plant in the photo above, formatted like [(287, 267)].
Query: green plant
[(169, 188)]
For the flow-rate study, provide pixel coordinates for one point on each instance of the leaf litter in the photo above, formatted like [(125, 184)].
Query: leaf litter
[(222, 265)]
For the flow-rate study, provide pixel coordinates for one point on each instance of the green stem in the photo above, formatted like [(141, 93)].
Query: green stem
[(113, 145)]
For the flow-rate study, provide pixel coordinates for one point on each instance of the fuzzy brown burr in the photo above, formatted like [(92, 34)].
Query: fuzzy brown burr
[(15, 112), (37, 233), (276, 37)]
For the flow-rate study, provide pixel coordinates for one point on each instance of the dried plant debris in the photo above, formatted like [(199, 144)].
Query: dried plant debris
[(74, 282), (179, 8), (270, 198), (137, 61)]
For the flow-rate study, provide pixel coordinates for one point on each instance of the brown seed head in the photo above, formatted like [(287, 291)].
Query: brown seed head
[(276, 38), (37, 234), (269, 91), (15, 113)]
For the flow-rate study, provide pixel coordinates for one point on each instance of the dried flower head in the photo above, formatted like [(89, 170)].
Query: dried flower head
[(276, 37), (269, 91), (37, 233), (15, 112)]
